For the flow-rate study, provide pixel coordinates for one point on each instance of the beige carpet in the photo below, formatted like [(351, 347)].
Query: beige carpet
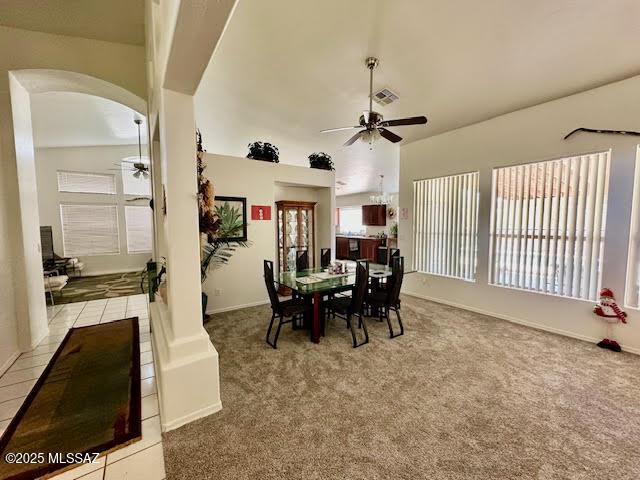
[(460, 396)]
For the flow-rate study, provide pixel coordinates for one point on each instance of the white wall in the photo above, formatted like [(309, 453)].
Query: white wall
[(358, 199), (524, 136), (98, 159), (240, 283)]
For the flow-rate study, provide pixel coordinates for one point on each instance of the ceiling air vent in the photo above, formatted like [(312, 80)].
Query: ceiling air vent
[(385, 96)]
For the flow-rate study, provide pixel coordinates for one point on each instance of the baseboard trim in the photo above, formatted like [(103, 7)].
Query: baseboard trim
[(519, 321), (179, 422), (236, 307), (7, 364)]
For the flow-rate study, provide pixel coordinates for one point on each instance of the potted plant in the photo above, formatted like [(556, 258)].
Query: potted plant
[(217, 226), (321, 160), (264, 151), (393, 230)]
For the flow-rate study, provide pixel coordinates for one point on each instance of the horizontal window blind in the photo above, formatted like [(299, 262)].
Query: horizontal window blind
[(131, 185), (547, 225), (89, 230), (632, 294), (83, 182), (139, 228), (445, 212)]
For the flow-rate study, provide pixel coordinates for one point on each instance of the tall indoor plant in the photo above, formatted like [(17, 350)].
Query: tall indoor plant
[(217, 225)]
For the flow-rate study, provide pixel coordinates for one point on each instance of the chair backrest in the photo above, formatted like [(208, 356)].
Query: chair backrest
[(397, 274), (302, 260), (393, 253), (271, 288), (361, 286), (325, 257)]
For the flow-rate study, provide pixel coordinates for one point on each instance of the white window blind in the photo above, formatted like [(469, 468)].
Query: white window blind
[(139, 228), (547, 225), (89, 230), (350, 220), (83, 182), (131, 185), (445, 225), (632, 294)]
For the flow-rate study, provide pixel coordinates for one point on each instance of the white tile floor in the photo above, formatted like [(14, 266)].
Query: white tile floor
[(140, 460)]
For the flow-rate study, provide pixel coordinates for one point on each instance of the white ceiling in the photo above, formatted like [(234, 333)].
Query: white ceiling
[(286, 69), (120, 21), (65, 119)]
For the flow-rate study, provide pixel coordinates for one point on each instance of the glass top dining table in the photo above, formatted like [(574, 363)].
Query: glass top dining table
[(316, 282)]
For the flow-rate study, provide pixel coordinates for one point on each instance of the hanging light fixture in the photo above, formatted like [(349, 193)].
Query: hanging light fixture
[(381, 198)]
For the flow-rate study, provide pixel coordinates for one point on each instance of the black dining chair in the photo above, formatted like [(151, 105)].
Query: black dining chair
[(393, 253), (325, 257), (350, 308), (302, 260), (383, 301), (287, 311)]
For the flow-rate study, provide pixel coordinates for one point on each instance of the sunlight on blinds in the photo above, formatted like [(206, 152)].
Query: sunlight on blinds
[(84, 182), (445, 225), (547, 225), (89, 230), (139, 228), (632, 294)]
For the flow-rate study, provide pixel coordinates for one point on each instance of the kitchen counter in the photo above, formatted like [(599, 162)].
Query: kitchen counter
[(367, 247)]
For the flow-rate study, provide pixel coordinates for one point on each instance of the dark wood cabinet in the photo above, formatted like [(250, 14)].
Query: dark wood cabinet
[(369, 248), (342, 248), (374, 215)]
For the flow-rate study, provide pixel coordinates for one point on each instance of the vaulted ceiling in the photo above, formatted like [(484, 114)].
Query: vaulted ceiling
[(287, 69)]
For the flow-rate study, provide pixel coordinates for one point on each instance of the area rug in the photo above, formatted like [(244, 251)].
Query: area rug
[(87, 402), (82, 289), (459, 396)]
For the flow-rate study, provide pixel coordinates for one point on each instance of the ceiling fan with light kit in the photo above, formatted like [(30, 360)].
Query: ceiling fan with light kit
[(372, 124), (138, 167)]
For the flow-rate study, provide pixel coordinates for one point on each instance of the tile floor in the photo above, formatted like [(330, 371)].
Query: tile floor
[(141, 460)]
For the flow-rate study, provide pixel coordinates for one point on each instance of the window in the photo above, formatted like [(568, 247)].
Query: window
[(131, 185), (89, 230), (83, 182), (445, 225), (351, 220), (547, 225), (139, 229), (632, 294)]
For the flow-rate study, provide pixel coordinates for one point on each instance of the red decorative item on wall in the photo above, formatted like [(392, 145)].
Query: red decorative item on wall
[(260, 212)]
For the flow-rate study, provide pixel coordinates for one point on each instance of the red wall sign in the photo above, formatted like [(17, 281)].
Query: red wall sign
[(260, 212)]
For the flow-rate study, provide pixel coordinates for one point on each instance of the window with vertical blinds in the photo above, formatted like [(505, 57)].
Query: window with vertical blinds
[(84, 182), (632, 294), (445, 225), (548, 223), (89, 230), (139, 228)]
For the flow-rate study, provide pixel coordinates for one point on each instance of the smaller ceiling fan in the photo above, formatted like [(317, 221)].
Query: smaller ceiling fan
[(139, 168), (372, 122)]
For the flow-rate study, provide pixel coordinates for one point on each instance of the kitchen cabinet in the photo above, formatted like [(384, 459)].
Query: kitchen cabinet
[(367, 248), (374, 215), (342, 248)]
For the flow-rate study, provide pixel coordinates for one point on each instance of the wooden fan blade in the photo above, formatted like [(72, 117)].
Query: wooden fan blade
[(404, 121), (339, 129), (389, 135), (352, 140)]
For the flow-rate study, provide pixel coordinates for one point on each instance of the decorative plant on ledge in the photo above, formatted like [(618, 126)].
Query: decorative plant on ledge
[(217, 225), (264, 151), (321, 161)]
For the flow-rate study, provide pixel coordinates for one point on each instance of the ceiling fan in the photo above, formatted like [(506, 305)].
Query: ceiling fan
[(372, 123), (139, 168)]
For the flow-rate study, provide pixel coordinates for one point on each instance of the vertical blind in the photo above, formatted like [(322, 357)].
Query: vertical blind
[(83, 182), (89, 230), (547, 225), (131, 185), (139, 228), (445, 223), (632, 294)]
